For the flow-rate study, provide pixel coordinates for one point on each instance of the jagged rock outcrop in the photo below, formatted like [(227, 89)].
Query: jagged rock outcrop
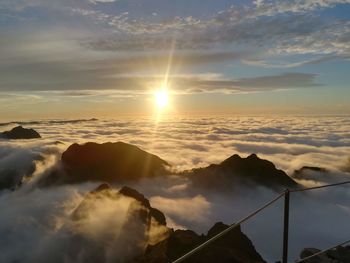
[(114, 226), (143, 236), (338, 255), (153, 212), (234, 247), (109, 162), (236, 170), (20, 133), (144, 209)]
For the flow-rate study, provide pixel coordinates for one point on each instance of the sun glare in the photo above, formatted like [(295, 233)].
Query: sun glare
[(161, 98)]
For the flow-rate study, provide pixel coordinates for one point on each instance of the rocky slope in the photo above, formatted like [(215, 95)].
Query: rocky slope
[(234, 247)]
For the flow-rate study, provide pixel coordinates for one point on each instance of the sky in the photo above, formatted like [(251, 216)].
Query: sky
[(106, 58)]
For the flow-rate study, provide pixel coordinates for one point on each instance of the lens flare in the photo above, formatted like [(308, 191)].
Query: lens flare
[(161, 98)]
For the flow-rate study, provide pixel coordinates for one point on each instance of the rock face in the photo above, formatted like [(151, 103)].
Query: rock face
[(153, 212), (250, 170), (113, 226), (108, 162), (338, 255), (234, 247), (145, 212), (20, 133)]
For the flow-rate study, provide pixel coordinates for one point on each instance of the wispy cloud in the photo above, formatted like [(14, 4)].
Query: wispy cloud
[(90, 44)]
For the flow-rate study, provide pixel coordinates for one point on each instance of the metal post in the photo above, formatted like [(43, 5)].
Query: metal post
[(286, 227)]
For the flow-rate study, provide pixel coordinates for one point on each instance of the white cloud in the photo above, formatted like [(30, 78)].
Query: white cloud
[(187, 142), (186, 210), (295, 6)]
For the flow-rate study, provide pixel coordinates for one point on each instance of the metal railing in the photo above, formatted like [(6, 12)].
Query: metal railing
[(322, 251), (211, 240), (286, 195)]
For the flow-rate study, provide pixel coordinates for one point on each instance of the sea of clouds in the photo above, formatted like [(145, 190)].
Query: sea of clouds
[(30, 216)]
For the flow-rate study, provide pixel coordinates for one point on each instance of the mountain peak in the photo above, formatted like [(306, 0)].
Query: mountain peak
[(130, 192), (20, 133), (218, 228), (253, 156), (235, 246), (236, 169), (107, 162)]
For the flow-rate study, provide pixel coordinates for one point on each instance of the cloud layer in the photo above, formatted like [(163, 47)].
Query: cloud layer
[(290, 142)]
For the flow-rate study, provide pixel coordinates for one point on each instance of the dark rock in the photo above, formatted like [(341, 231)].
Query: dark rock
[(158, 216), (233, 247), (143, 208), (346, 167), (20, 133), (127, 191), (101, 188), (235, 170), (155, 213), (109, 162), (306, 169), (313, 173)]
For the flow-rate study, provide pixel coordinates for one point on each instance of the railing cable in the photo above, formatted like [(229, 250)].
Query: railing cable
[(234, 225), (321, 252), (318, 187)]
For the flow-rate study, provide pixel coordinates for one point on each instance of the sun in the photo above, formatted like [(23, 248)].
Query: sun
[(161, 97)]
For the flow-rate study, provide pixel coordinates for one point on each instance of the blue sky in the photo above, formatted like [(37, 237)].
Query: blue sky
[(103, 57)]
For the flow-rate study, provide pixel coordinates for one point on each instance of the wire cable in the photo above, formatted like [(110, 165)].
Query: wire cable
[(321, 252), (318, 187), (234, 225)]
